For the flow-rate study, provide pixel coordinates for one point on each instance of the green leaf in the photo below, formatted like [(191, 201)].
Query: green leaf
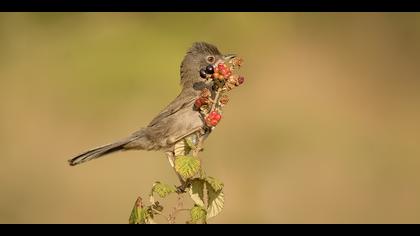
[(196, 191), (187, 166), (134, 216), (216, 201), (138, 214), (214, 183), (163, 190), (198, 214)]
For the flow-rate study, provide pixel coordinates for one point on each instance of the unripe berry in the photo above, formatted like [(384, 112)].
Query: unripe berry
[(241, 80), (224, 99), (205, 93), (198, 103)]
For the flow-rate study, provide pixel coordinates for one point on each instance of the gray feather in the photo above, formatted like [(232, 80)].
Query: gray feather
[(173, 123)]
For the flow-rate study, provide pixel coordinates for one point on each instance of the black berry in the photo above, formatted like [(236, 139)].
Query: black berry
[(203, 73), (209, 69)]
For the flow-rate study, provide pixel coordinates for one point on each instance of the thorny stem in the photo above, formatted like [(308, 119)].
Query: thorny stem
[(216, 99), (175, 210), (171, 217), (161, 214), (198, 147), (183, 209)]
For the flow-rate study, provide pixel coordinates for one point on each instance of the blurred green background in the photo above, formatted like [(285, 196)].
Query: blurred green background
[(324, 130)]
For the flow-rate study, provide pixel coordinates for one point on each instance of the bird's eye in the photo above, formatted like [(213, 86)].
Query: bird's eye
[(210, 59)]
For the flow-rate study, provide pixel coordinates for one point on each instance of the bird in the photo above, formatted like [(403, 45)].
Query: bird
[(177, 120)]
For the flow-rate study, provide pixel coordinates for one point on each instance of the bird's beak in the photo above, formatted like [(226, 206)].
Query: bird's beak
[(229, 57)]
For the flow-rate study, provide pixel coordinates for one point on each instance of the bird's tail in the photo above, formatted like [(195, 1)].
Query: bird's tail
[(97, 152)]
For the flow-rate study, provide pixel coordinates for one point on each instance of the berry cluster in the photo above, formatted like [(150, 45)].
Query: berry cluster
[(222, 71), (223, 78), (213, 118), (222, 75)]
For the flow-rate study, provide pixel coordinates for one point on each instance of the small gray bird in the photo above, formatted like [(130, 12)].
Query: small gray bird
[(179, 119)]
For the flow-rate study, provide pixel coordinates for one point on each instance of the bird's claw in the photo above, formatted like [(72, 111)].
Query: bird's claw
[(181, 189)]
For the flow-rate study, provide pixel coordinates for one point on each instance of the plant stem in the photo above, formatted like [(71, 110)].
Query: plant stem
[(216, 99), (176, 209), (161, 214)]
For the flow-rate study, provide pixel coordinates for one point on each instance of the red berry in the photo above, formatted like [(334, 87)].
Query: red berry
[(221, 66), (213, 122), (217, 117), (213, 114), (241, 80)]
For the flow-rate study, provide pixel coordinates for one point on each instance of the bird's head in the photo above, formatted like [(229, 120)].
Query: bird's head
[(199, 56)]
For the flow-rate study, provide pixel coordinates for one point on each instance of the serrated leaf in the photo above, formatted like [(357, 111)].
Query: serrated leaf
[(216, 201), (138, 214), (196, 191), (214, 183), (163, 190), (187, 166), (198, 214), (134, 216)]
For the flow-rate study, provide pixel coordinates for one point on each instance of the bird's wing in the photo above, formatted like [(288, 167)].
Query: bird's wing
[(177, 104), (174, 122)]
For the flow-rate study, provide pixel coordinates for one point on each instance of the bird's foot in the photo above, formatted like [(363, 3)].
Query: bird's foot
[(182, 188)]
